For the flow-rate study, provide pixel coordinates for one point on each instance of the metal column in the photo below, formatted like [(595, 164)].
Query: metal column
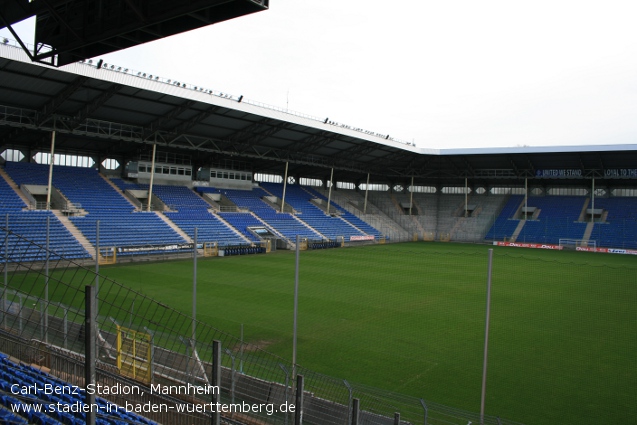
[(486, 336), (329, 196), (285, 186), (152, 178), (90, 338), (48, 191)]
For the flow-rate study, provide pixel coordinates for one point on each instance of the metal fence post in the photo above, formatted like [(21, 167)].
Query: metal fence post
[(298, 416), (19, 313), (42, 320), (216, 381), (66, 327), (287, 387), (6, 268), (46, 280), (296, 306), (152, 354), (349, 402), (486, 336), (232, 374), (424, 406), (355, 411), (89, 347)]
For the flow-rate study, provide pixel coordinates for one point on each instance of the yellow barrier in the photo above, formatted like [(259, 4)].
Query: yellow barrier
[(134, 351)]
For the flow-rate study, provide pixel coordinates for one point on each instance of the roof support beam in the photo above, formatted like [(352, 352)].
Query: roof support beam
[(54, 104)]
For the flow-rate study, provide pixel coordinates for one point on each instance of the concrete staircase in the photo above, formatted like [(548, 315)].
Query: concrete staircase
[(589, 231), (173, 226), (517, 231), (229, 226), (118, 190), (75, 232)]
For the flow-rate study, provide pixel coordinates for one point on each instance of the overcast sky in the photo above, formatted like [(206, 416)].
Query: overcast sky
[(442, 74)]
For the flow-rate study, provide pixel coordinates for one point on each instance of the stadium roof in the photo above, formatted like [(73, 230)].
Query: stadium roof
[(109, 111), (70, 30)]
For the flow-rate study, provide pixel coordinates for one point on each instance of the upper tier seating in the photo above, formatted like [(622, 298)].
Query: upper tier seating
[(124, 185)]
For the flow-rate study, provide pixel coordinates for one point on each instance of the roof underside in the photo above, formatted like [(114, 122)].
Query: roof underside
[(70, 30), (35, 100)]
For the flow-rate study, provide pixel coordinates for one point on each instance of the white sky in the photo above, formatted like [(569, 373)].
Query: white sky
[(442, 74)]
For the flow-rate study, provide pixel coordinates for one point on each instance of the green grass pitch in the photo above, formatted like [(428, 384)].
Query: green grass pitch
[(410, 318)]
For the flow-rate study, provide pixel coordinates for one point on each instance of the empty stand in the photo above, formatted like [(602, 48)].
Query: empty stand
[(506, 223), (619, 230), (190, 211), (561, 217), (285, 224), (330, 227), (120, 225), (14, 377), (31, 224)]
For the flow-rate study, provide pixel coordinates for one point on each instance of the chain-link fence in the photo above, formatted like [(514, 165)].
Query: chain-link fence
[(43, 323)]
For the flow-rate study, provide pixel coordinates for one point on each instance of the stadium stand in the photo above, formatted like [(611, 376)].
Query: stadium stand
[(120, 225), (189, 211), (31, 224), (15, 377), (92, 198), (124, 185), (618, 230), (347, 216), (506, 222), (354, 202), (317, 219), (343, 224), (242, 221), (558, 217), (561, 217), (285, 224)]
